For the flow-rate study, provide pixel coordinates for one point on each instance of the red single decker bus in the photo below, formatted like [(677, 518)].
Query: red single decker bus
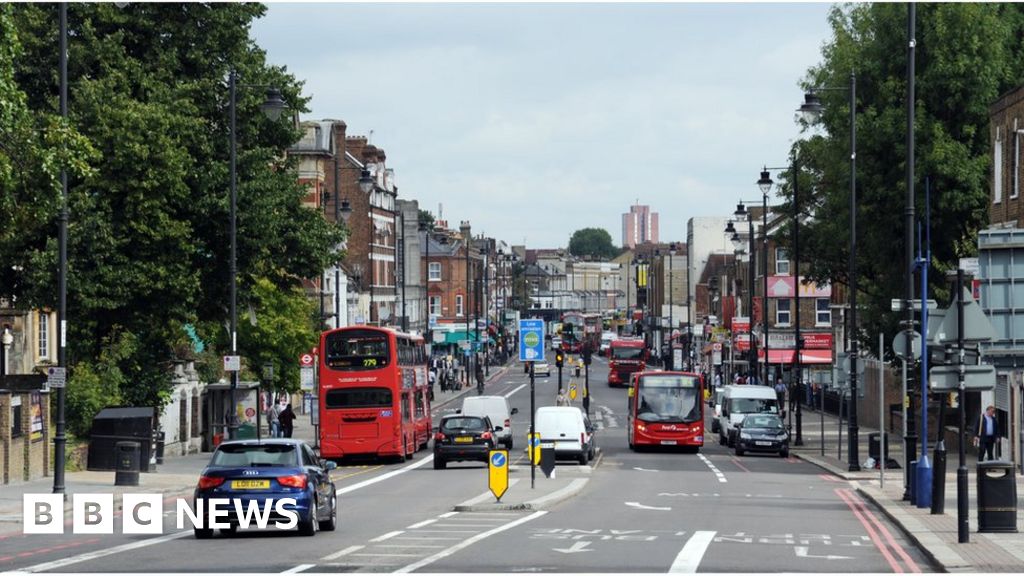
[(625, 356), (373, 393), (666, 409)]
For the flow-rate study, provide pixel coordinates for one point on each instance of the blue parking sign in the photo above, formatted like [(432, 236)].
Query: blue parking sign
[(531, 340)]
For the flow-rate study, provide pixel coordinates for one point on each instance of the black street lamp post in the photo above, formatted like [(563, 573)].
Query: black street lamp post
[(743, 214), (671, 316), (765, 184), (366, 186), (811, 111), (60, 440)]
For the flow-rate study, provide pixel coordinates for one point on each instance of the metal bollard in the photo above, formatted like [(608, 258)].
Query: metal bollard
[(939, 478)]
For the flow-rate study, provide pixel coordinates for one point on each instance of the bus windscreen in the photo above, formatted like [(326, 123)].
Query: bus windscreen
[(627, 353), (357, 350), (669, 398)]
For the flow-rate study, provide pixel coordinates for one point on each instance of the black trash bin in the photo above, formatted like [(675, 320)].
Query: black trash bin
[(160, 437), (874, 444), (127, 463), (997, 497)]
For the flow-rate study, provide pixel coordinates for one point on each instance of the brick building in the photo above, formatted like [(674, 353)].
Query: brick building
[(451, 299)]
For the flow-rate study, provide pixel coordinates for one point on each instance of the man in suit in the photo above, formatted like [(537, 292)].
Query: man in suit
[(987, 433)]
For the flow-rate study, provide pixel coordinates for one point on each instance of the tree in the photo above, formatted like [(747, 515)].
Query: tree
[(426, 218), (593, 242), (967, 55), (149, 244)]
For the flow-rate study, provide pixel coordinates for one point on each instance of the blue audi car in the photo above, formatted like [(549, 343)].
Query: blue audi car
[(264, 472)]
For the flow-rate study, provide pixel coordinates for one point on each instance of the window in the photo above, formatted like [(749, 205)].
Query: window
[(357, 350), (358, 398), (997, 167), (435, 271), (822, 313), (435, 306), (782, 311), (458, 304), (781, 262), (44, 335)]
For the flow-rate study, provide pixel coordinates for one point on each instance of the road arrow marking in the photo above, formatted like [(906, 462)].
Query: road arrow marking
[(576, 547), (801, 552), (643, 469), (640, 506)]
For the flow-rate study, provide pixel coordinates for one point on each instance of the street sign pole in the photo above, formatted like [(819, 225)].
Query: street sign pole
[(883, 442), (533, 429), (963, 531)]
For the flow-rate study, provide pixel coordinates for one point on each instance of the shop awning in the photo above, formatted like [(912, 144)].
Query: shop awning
[(787, 356)]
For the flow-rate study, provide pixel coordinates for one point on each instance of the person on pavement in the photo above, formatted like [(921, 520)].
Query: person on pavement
[(274, 417), (562, 399), (287, 418), (987, 434)]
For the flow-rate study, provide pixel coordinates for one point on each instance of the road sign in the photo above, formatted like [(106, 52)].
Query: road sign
[(533, 445), (306, 381), (899, 344), (531, 340), (572, 391), (497, 472), (306, 360), (947, 378), (847, 364), (547, 458), (56, 376), (232, 363), (898, 305), (977, 328)]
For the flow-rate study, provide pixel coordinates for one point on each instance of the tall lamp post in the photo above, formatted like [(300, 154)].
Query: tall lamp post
[(811, 112), (60, 440), (272, 107), (344, 212), (366, 186), (671, 316), (765, 183), (743, 214)]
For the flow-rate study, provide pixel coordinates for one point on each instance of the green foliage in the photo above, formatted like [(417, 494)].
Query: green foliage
[(593, 242), (426, 218), (149, 179), (967, 55), (284, 329), (96, 384)]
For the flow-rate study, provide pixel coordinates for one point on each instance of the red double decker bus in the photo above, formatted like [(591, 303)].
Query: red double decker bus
[(373, 393), (625, 357), (666, 409)]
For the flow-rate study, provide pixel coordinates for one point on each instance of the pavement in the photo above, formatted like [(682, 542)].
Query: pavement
[(177, 475), (935, 534)]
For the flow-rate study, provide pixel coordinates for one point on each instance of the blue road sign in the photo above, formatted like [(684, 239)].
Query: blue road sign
[(531, 340), (498, 459)]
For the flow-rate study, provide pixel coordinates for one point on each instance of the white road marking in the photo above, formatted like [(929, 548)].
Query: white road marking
[(344, 552), (384, 537), (55, 564), (689, 557), (640, 506), (299, 568), (382, 477), (410, 546), (718, 473), (580, 546), (421, 524), (468, 542), (801, 552), (514, 391), (643, 469), (485, 496), (447, 515), (388, 555), (428, 538)]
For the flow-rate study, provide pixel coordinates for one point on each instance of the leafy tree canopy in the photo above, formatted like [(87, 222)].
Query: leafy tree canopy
[(593, 242)]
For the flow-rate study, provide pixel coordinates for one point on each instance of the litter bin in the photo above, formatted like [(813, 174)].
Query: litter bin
[(997, 497), (878, 443), (127, 464), (160, 439)]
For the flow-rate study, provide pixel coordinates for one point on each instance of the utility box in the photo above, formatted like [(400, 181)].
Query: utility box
[(997, 497), (113, 425)]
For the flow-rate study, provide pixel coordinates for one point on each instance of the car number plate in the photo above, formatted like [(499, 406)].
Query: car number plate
[(668, 442), (463, 439), (763, 443), (249, 484)]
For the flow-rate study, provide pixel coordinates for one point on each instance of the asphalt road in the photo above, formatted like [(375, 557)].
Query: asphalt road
[(638, 512)]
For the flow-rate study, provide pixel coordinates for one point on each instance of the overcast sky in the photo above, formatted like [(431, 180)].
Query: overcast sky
[(535, 120)]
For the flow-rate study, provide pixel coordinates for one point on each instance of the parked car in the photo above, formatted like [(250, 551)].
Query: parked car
[(762, 433), (268, 470), (497, 409), (542, 368), (569, 430), (461, 438)]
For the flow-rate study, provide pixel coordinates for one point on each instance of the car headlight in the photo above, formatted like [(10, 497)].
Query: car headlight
[(783, 436), (745, 436)]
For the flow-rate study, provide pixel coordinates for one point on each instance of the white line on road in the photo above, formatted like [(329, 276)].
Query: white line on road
[(344, 552), (447, 514), (468, 542), (383, 477), (486, 495), (721, 477), (45, 566), (299, 568), (509, 395), (384, 537), (421, 524), (693, 551)]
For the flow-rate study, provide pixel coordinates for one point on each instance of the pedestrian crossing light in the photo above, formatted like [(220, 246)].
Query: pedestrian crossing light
[(559, 359)]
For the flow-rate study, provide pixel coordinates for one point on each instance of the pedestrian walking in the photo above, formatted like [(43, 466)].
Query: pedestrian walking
[(562, 399), (432, 376), (287, 418), (986, 434), (274, 417), (479, 378)]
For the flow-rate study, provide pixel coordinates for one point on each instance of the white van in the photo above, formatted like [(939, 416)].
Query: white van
[(497, 409), (569, 430), (737, 402)]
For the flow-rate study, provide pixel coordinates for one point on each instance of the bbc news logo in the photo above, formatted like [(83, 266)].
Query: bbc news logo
[(144, 513)]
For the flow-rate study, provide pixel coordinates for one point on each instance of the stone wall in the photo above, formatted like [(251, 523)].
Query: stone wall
[(24, 452)]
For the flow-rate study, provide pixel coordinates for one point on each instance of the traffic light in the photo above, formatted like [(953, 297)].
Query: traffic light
[(559, 359)]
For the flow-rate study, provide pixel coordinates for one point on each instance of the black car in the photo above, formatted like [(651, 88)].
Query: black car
[(762, 433), (462, 438)]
